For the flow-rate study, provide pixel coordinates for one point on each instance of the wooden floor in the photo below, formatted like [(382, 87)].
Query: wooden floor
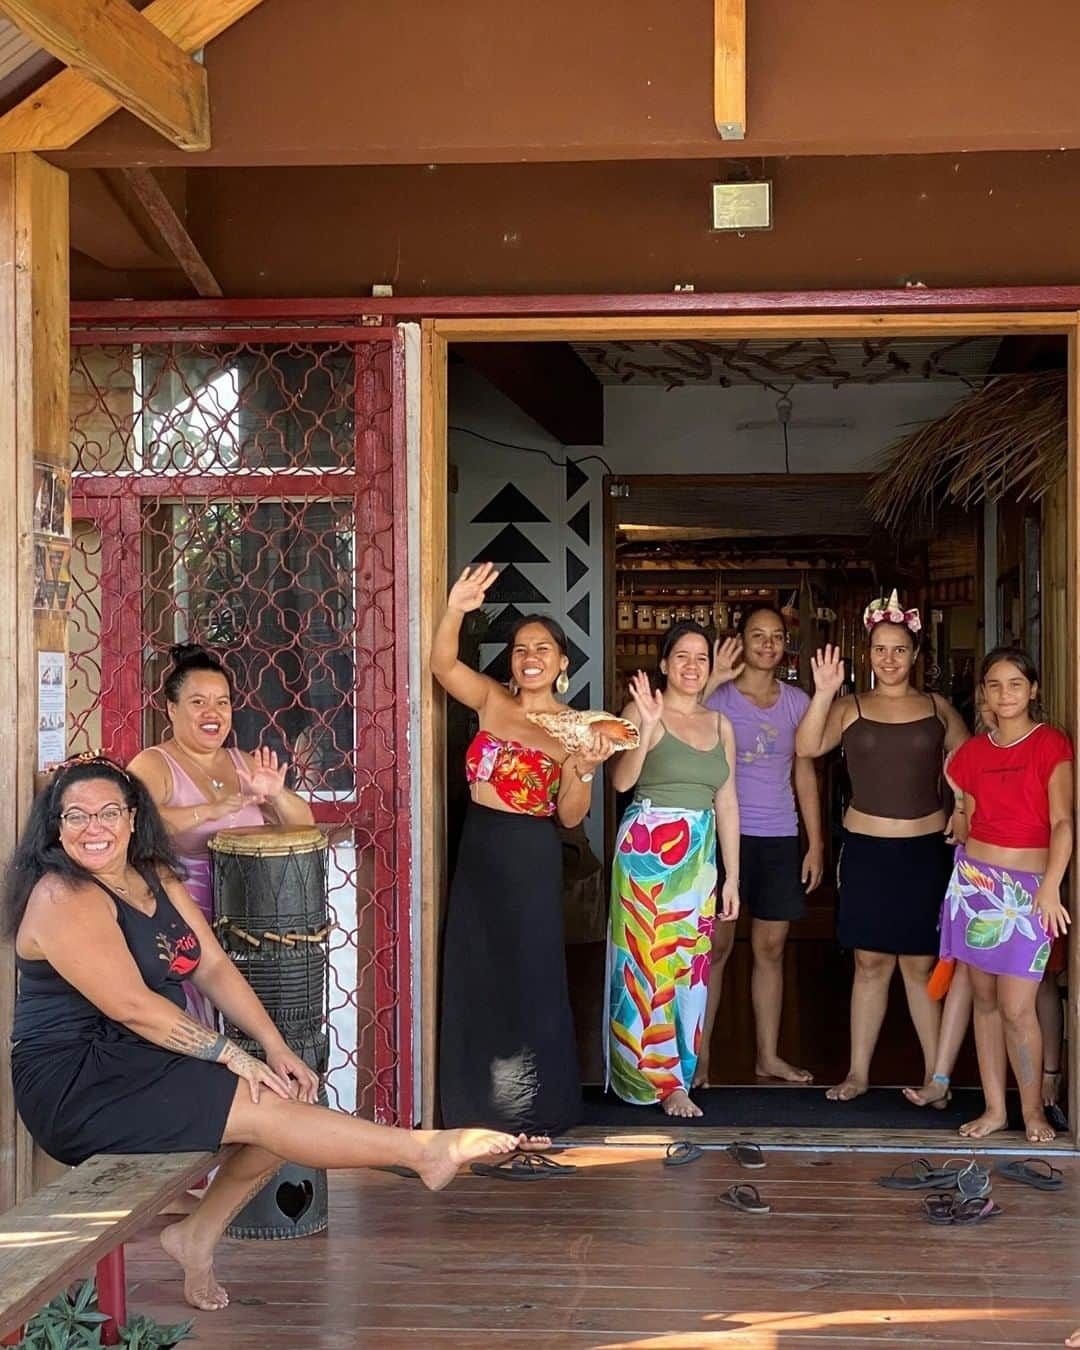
[(628, 1253)]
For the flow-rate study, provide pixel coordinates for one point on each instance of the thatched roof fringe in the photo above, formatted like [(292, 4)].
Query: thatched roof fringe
[(1010, 436)]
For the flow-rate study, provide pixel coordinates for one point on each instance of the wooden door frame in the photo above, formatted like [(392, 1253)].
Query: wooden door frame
[(957, 316)]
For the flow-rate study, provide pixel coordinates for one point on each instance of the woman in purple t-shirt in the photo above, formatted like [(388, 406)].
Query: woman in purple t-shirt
[(773, 876)]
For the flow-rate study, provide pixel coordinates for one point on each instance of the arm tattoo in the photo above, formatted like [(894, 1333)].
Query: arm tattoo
[(189, 1037)]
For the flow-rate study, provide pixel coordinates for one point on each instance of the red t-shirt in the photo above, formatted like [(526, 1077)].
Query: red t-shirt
[(1009, 784)]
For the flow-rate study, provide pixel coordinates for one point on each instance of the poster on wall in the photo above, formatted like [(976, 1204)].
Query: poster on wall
[(52, 501), (52, 710), (52, 576)]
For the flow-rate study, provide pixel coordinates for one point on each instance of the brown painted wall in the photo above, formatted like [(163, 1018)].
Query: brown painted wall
[(417, 81), (964, 220)]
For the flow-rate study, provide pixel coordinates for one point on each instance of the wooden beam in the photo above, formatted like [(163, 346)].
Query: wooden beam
[(33, 428), (549, 382), (119, 50), (173, 231), (70, 105), (729, 68)]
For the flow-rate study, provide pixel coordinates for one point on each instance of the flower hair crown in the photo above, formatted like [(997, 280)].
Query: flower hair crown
[(890, 611)]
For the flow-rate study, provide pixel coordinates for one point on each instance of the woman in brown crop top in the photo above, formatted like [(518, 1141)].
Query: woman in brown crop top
[(507, 1044), (895, 862)]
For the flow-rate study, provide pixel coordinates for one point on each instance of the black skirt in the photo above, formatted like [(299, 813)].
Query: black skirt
[(119, 1094), (507, 1055), (890, 893)]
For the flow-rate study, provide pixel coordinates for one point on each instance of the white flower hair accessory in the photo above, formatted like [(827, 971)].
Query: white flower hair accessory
[(890, 610)]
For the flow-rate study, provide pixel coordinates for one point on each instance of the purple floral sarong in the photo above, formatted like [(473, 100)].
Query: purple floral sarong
[(989, 919)]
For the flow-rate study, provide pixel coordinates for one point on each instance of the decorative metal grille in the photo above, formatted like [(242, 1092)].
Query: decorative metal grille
[(243, 490)]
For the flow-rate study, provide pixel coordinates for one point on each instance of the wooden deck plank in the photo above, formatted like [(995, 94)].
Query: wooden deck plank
[(629, 1253)]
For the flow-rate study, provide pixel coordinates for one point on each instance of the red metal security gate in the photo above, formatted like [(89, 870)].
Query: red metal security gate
[(245, 488)]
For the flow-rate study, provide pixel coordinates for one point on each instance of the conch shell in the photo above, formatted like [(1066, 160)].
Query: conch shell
[(574, 730)]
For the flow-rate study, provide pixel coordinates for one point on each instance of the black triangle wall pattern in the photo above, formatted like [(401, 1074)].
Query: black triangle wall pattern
[(511, 585), (575, 478), (510, 545), (575, 569), (579, 613), (579, 523), (580, 700), (509, 504)]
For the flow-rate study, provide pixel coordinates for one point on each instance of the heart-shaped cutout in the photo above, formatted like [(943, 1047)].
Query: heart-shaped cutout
[(294, 1198)]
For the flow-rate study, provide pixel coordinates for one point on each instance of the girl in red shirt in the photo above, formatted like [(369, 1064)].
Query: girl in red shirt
[(1003, 908)]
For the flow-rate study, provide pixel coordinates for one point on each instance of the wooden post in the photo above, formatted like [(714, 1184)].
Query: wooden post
[(729, 68), (433, 585), (34, 375)]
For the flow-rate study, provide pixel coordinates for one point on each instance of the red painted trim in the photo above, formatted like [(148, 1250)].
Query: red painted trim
[(105, 334), (13, 1337), (897, 300), (112, 1294)]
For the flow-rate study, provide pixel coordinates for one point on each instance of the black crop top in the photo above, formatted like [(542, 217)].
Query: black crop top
[(166, 951), (895, 767)]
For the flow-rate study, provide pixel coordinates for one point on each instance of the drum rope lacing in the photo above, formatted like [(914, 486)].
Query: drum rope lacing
[(225, 924)]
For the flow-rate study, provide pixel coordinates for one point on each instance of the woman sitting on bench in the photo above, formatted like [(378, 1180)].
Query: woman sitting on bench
[(105, 1058)]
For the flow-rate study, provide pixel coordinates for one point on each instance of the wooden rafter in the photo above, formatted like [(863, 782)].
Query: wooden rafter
[(70, 105), (114, 47), (173, 231), (729, 68)]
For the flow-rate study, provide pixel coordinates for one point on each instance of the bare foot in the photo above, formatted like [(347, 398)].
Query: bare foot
[(987, 1123), (677, 1103), (1051, 1087), (1039, 1130), (780, 1068), (930, 1094), (201, 1289), (447, 1150), (847, 1091), (1074, 1339), (701, 1074)]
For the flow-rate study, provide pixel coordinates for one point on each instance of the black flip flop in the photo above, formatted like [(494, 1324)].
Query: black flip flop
[(939, 1208), (746, 1154), (679, 1154), (523, 1167), (919, 1175), (1057, 1117), (1030, 1171), (398, 1171), (744, 1197), (975, 1210)]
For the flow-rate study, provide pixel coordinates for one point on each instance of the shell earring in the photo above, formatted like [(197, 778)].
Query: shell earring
[(513, 689), (562, 684)]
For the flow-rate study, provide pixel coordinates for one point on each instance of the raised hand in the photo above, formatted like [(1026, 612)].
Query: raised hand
[(828, 670), (728, 664), (266, 777), (649, 702), (467, 593)]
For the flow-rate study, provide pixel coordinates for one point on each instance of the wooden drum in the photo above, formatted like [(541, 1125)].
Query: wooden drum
[(271, 915)]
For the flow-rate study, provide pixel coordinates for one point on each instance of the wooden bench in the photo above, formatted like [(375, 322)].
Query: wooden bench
[(81, 1220)]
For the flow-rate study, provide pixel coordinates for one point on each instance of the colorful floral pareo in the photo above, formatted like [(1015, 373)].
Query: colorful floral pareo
[(989, 919), (663, 903)]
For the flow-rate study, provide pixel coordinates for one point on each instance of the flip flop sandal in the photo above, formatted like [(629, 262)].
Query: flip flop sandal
[(745, 1198), (1035, 1172), (523, 1167), (939, 1208), (746, 1154), (975, 1210), (1057, 1118), (399, 1171), (920, 1175), (973, 1182), (678, 1155)]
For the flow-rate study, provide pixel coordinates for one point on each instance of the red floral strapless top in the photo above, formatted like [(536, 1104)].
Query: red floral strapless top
[(525, 778)]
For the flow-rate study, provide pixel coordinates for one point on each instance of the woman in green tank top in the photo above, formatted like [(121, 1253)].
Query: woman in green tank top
[(663, 881)]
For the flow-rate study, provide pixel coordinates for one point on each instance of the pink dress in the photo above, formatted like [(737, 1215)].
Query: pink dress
[(192, 846)]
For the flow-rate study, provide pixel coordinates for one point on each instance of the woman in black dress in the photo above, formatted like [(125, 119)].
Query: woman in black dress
[(105, 1058), (507, 1054)]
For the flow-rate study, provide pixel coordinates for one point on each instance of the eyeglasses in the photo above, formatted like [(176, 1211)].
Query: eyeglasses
[(77, 820)]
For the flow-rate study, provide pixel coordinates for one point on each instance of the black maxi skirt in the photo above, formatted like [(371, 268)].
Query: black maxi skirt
[(508, 1056)]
